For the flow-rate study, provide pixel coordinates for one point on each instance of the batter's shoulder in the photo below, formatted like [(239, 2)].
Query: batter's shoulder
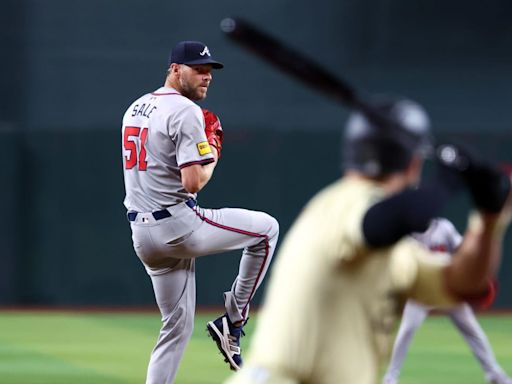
[(343, 195)]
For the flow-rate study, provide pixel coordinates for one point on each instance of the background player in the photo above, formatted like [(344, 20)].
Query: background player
[(331, 303), (170, 150), (442, 236)]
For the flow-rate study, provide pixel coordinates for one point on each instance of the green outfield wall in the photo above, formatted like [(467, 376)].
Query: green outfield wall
[(69, 69), (66, 238)]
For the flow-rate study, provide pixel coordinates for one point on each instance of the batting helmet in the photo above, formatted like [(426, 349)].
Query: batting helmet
[(386, 142)]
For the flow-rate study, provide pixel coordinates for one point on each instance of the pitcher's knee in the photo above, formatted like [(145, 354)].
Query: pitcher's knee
[(272, 226)]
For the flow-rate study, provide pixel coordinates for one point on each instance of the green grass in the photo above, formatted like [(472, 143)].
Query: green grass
[(113, 348)]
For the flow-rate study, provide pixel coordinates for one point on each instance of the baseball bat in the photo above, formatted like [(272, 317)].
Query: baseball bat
[(299, 66)]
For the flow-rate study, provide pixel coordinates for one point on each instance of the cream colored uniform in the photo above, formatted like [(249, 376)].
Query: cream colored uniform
[(332, 302)]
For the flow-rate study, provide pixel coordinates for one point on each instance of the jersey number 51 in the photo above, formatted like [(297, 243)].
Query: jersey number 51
[(132, 137)]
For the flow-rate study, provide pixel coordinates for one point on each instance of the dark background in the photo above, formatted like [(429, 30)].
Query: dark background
[(70, 68)]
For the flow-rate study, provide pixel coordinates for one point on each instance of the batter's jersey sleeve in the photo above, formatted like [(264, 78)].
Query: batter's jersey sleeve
[(192, 145), (420, 273)]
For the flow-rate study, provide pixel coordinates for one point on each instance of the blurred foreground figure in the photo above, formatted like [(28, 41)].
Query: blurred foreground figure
[(347, 264)]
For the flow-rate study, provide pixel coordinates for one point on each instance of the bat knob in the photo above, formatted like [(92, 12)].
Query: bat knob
[(228, 25)]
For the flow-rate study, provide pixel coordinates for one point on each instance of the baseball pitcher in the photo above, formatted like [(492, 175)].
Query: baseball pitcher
[(170, 149)]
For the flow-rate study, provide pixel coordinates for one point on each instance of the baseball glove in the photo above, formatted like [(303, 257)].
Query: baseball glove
[(213, 130)]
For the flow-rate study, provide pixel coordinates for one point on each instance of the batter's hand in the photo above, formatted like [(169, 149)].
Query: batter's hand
[(488, 185), (213, 129)]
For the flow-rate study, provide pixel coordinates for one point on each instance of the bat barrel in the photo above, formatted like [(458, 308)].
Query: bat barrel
[(289, 60), (306, 70)]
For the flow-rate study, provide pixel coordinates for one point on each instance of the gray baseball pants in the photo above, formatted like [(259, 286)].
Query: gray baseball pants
[(168, 248)]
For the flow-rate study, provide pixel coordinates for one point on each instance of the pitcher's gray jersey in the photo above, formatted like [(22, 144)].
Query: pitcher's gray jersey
[(153, 127)]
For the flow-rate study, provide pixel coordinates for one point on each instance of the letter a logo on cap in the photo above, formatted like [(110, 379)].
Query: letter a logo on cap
[(206, 51)]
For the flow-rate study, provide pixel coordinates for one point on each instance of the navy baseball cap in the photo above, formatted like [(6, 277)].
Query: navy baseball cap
[(192, 52)]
